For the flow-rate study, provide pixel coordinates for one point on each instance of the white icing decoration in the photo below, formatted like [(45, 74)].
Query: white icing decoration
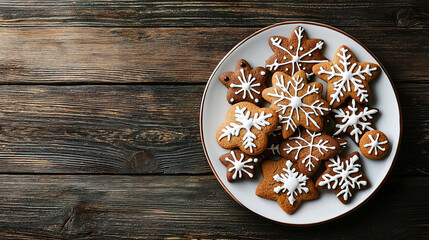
[(321, 146), (296, 58), (348, 78), (276, 132), (274, 149), (263, 73), (246, 85), (256, 100), (295, 102), (240, 166), (293, 183), (342, 176), (231, 100), (375, 144), (350, 118), (243, 117), (301, 48)]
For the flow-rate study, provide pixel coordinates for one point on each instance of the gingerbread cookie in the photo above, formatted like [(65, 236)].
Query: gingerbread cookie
[(346, 77), (274, 140), (308, 149), (295, 53), (343, 176), (297, 102), (353, 119), (239, 165), (284, 183), (246, 126), (245, 84), (374, 144), (342, 142)]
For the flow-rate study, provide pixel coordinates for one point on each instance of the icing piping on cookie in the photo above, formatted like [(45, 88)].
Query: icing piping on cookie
[(348, 81), (293, 182), (274, 149), (246, 85), (295, 102), (239, 166), (375, 144), (321, 146), (242, 116), (296, 58), (353, 119), (342, 176)]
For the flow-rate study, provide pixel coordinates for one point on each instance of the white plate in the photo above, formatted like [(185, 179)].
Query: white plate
[(255, 50)]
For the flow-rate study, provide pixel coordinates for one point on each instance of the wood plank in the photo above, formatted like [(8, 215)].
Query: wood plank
[(154, 207), (405, 13), (140, 129), (164, 55)]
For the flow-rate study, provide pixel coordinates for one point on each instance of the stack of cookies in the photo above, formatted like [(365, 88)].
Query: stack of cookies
[(297, 141)]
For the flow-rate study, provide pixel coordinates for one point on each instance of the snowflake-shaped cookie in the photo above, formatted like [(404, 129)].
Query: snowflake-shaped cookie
[(239, 165), (343, 176), (346, 77), (295, 53), (308, 149), (374, 144), (246, 126), (284, 183), (354, 120), (245, 84), (297, 102)]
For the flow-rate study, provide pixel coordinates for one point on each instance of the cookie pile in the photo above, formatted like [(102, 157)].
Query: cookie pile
[(299, 136)]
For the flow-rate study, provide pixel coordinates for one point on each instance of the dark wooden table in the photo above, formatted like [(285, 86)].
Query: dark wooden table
[(99, 108)]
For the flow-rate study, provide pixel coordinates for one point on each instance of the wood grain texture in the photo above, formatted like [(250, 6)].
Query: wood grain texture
[(155, 207), (146, 129), (77, 55), (404, 13)]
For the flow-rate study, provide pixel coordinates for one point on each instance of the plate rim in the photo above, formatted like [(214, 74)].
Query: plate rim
[(379, 63)]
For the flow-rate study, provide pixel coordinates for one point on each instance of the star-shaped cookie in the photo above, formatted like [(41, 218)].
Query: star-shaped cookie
[(295, 53), (284, 183), (245, 84), (353, 120), (308, 149), (343, 176), (246, 126), (346, 77), (297, 102), (239, 165)]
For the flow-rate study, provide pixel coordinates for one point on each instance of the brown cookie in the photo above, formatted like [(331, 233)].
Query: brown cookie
[(346, 77), (353, 119), (274, 140), (239, 165), (308, 149), (374, 144), (343, 176), (342, 142), (297, 102), (245, 84), (246, 126), (284, 183), (295, 53)]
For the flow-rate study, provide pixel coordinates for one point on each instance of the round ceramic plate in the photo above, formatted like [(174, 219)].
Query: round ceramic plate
[(255, 50)]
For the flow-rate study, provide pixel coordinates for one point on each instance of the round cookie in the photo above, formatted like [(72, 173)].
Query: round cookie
[(374, 144)]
